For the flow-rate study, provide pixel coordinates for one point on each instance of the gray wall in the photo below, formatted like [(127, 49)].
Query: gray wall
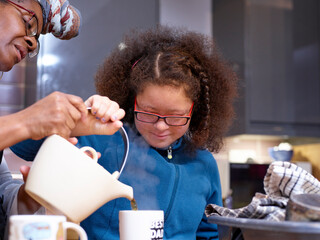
[(194, 15), (69, 66)]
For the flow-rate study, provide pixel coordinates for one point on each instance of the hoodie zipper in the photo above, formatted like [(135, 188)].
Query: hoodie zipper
[(169, 152), (175, 186)]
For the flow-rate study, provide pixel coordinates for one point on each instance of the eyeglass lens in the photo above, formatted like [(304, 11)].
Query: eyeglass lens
[(150, 118), (32, 27), (32, 30), (35, 51)]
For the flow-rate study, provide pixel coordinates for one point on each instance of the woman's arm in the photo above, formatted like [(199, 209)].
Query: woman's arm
[(57, 113), (8, 192), (14, 199), (62, 114)]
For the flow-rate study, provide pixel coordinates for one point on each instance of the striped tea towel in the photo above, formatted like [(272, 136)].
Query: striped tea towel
[(285, 179), (261, 207), (282, 180)]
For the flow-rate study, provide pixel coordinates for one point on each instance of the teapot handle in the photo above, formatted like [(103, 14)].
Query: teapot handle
[(126, 148), (125, 138), (92, 153)]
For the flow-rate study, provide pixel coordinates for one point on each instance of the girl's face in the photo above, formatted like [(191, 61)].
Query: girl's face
[(14, 44), (162, 100)]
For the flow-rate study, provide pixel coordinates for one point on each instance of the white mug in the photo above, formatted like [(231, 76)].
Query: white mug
[(42, 227), (141, 225)]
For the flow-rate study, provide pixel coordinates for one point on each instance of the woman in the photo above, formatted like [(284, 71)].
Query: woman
[(21, 23), (177, 93)]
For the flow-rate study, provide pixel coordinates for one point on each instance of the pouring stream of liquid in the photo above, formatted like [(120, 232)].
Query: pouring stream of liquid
[(134, 205)]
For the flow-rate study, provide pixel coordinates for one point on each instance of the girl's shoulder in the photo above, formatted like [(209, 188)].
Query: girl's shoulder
[(208, 162)]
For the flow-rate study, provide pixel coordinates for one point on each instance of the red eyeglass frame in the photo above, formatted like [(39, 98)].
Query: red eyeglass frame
[(164, 116), (30, 12)]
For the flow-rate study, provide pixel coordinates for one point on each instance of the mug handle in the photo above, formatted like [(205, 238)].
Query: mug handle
[(82, 234), (92, 152)]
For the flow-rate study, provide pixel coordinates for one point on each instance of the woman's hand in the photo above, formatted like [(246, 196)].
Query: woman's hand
[(26, 205), (62, 114), (104, 117), (58, 113)]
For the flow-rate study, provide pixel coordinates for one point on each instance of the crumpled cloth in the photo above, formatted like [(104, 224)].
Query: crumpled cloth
[(281, 181), (60, 18), (285, 179), (261, 207)]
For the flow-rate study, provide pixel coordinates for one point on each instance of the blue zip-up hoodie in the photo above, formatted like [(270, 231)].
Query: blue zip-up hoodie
[(181, 187)]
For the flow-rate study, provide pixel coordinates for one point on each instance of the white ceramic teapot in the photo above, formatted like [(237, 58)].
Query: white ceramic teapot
[(65, 180)]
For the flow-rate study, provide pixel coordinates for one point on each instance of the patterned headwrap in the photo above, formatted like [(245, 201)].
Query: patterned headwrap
[(60, 18)]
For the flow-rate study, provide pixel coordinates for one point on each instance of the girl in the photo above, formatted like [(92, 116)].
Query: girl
[(177, 93)]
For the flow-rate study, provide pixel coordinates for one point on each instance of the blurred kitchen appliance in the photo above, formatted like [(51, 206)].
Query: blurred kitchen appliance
[(245, 181)]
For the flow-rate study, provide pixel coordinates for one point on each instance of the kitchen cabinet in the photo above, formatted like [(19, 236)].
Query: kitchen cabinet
[(274, 46)]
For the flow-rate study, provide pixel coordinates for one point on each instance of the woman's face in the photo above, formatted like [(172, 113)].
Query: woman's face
[(14, 44), (162, 100)]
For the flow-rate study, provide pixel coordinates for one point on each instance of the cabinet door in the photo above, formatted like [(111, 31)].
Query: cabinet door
[(268, 54), (282, 63), (306, 61)]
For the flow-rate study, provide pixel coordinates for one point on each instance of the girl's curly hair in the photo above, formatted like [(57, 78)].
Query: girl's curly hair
[(173, 56)]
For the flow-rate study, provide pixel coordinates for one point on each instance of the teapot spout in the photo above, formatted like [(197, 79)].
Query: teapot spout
[(121, 189)]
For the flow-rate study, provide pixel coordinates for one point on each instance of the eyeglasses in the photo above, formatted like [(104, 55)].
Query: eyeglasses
[(31, 28), (170, 120)]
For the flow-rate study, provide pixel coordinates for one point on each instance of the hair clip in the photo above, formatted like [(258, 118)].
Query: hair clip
[(135, 63)]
